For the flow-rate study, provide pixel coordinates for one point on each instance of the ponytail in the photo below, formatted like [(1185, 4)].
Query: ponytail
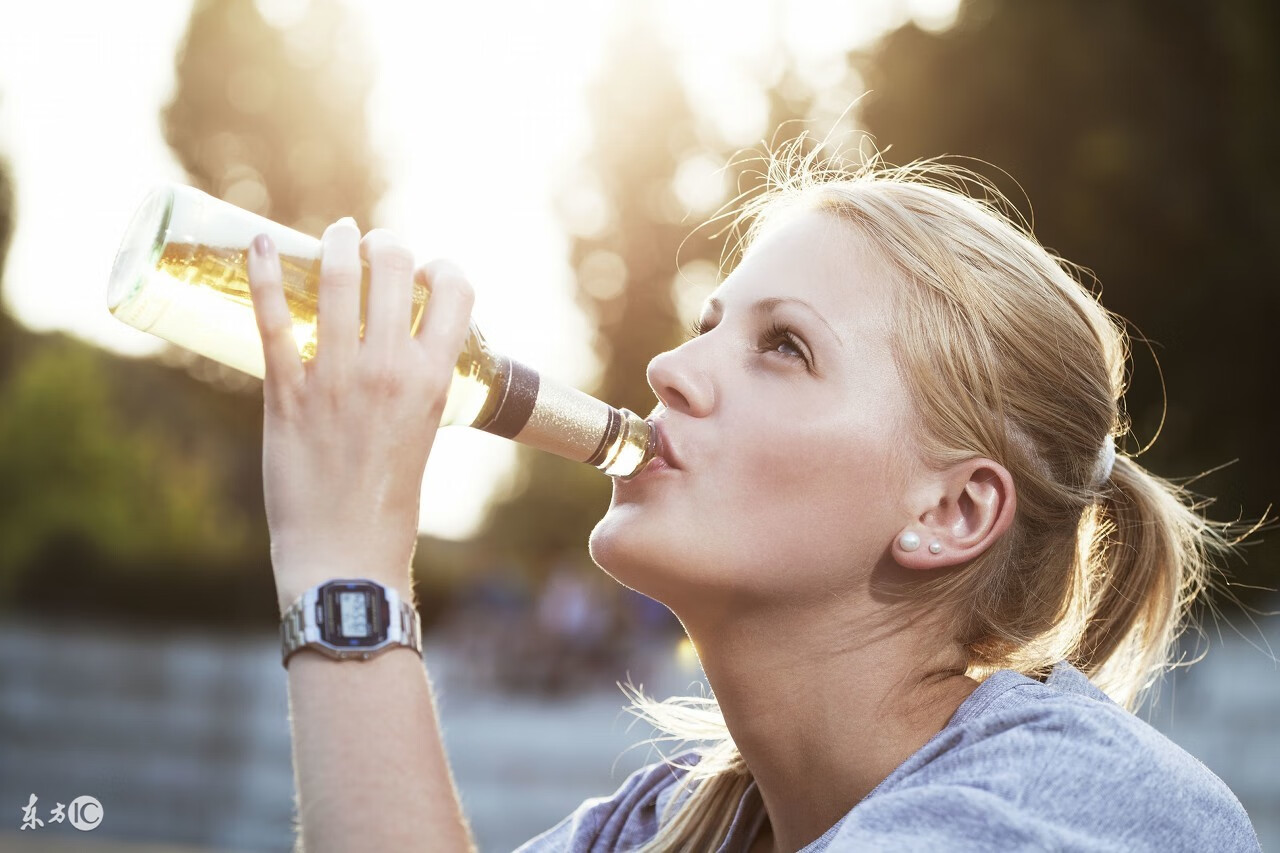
[(1148, 555)]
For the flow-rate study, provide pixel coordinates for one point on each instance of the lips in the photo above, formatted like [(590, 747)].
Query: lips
[(666, 449)]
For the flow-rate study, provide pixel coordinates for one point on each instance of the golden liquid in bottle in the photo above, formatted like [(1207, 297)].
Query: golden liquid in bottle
[(197, 296)]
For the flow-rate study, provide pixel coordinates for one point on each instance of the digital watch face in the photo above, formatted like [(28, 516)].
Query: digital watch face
[(352, 615)]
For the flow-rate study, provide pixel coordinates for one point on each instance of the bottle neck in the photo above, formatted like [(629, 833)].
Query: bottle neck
[(551, 416)]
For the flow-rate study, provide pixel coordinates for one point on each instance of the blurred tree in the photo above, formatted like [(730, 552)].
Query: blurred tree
[(1141, 133), (13, 338), (627, 225), (71, 469), (272, 118)]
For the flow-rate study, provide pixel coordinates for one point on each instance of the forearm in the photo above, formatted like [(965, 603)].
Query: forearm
[(369, 763), (344, 445)]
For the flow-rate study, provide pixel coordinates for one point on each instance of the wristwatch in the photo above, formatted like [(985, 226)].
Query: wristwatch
[(349, 619)]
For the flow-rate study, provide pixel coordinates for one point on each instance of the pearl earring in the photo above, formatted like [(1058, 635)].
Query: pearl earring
[(909, 541), (935, 547)]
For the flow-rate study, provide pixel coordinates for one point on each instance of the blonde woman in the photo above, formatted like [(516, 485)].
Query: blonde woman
[(924, 586)]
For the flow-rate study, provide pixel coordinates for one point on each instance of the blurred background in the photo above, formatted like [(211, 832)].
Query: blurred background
[(566, 154)]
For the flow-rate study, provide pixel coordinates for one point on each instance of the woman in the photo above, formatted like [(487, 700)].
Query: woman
[(890, 516)]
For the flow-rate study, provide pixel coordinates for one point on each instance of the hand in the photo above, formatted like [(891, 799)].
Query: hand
[(346, 435)]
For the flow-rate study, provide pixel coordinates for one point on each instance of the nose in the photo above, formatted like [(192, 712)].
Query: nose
[(679, 384)]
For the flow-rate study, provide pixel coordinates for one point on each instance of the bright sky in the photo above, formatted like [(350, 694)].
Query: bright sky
[(74, 69)]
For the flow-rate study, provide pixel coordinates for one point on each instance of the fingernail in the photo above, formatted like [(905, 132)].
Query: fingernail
[(262, 245), (347, 220)]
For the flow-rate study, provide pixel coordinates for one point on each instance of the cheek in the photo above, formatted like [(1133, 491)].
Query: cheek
[(815, 491), (814, 464)]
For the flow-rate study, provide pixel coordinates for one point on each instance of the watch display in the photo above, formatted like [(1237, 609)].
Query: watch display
[(352, 614), (353, 608)]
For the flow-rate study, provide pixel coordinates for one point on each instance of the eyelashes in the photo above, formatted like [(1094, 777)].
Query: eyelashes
[(697, 328), (774, 334)]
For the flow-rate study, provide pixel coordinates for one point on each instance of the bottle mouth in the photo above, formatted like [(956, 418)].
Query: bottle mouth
[(140, 249), (635, 452), (654, 448)]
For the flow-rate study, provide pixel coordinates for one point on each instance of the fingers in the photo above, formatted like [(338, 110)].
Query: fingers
[(271, 311), (338, 301), (390, 291), (446, 318), (448, 313)]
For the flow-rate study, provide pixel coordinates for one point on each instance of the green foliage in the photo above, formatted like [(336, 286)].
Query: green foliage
[(71, 469)]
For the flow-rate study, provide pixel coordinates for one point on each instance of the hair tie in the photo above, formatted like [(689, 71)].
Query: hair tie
[(1106, 461)]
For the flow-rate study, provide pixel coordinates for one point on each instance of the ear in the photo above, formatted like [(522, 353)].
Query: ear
[(968, 508)]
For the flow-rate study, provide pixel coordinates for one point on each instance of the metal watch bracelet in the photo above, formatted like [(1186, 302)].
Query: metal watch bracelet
[(293, 636)]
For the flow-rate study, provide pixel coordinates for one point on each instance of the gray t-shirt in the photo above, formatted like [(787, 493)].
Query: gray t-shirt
[(1021, 766)]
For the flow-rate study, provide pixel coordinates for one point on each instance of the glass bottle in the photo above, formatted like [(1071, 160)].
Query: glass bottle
[(180, 274)]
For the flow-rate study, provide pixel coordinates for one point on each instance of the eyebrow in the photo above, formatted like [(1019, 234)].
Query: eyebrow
[(766, 305)]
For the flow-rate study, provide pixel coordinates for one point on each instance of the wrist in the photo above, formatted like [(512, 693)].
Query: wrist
[(290, 586), (301, 563)]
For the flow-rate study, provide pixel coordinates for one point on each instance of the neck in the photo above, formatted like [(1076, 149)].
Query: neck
[(822, 712)]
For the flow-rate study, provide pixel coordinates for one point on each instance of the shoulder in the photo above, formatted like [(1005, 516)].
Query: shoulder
[(1054, 765), (623, 820)]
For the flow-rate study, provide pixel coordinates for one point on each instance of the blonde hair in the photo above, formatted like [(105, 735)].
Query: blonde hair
[(1006, 355)]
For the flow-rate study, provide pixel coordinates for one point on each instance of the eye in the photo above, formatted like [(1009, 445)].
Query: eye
[(774, 336), (777, 335)]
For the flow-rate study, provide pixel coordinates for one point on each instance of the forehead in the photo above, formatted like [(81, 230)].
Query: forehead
[(829, 263)]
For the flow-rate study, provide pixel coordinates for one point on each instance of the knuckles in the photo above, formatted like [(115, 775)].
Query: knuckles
[(384, 250), (393, 384), (445, 276)]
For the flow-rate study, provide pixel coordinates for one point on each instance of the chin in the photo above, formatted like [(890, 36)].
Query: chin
[(615, 544), (632, 554), (664, 562)]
